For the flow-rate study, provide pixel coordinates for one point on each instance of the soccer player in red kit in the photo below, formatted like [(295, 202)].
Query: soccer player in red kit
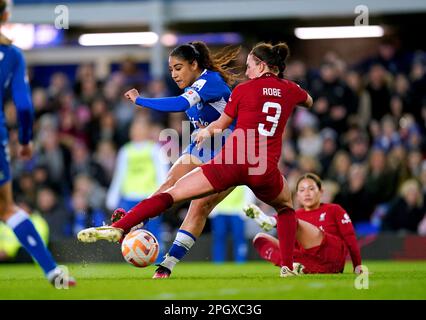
[(251, 153), (325, 233)]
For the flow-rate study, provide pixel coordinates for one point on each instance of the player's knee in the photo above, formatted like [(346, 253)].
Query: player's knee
[(203, 207)]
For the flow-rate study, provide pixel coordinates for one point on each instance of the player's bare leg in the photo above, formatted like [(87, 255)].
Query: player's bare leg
[(189, 231), (182, 166), (307, 235), (186, 163), (200, 209)]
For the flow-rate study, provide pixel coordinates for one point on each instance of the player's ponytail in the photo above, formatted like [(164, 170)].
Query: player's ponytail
[(281, 52), (219, 62), (274, 56)]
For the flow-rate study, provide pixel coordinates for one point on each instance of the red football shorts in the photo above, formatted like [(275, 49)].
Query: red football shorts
[(328, 257), (266, 186)]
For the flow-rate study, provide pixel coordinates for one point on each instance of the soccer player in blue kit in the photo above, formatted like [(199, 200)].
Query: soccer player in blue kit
[(12, 74), (206, 82)]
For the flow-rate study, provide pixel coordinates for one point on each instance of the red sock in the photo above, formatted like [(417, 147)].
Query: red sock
[(286, 230), (145, 209)]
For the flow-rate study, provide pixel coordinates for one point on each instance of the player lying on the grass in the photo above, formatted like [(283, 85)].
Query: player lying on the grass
[(262, 106), (324, 234), (206, 81), (12, 71)]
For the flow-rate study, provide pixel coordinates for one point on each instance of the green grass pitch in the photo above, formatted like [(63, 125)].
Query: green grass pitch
[(194, 281)]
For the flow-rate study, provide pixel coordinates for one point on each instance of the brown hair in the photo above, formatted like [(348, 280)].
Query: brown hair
[(3, 5), (273, 55), (311, 176), (198, 50)]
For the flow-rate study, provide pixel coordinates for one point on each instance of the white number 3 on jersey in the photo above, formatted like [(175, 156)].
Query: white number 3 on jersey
[(274, 119)]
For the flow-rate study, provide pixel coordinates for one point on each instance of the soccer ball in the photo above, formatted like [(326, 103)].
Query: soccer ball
[(140, 248)]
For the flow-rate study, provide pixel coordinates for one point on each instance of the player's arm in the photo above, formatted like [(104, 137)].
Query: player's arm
[(167, 104), (309, 102), (225, 119), (215, 127), (22, 99), (346, 230), (301, 97)]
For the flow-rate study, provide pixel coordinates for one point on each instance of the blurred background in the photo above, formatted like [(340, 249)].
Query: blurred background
[(365, 135)]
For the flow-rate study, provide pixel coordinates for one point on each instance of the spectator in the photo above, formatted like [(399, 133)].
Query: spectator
[(94, 193), (397, 160), (296, 71), (336, 104), (309, 142), (50, 207), (83, 164), (381, 180), (358, 148), (361, 97), (389, 136), (339, 168), (354, 197), (140, 170), (54, 156), (329, 148), (83, 214), (379, 92), (104, 158), (407, 210), (417, 89)]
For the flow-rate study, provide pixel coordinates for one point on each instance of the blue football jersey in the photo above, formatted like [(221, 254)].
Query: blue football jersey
[(207, 97), (13, 76)]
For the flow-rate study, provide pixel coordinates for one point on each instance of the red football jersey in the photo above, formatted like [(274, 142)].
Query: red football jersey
[(333, 219), (262, 107)]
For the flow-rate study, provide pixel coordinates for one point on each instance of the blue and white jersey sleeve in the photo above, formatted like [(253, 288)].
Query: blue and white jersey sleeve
[(207, 98), (209, 87), (22, 99)]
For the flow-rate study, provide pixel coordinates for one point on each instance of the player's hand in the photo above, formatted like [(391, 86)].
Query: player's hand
[(201, 135), (132, 94), (25, 151)]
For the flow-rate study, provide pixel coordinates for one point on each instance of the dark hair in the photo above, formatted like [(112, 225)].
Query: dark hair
[(3, 5), (273, 55), (311, 176), (218, 62)]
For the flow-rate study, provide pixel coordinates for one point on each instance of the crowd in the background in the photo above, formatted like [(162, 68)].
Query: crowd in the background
[(365, 136)]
